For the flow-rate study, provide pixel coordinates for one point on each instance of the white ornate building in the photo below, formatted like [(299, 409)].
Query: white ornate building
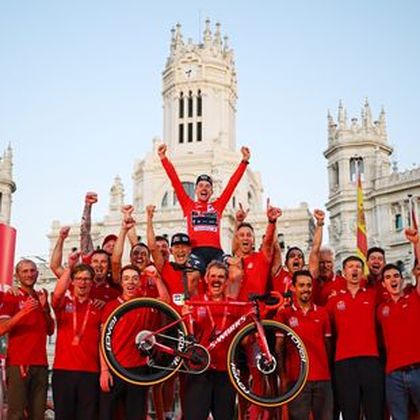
[(7, 185), (199, 111), (388, 194)]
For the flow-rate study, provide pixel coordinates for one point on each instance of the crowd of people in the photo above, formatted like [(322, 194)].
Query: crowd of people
[(359, 326)]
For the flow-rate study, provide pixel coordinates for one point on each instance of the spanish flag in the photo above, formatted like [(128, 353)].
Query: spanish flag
[(362, 246)]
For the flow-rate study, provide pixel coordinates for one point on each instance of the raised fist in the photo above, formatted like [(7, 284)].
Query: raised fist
[(73, 258), (412, 235), (91, 198), (319, 216), (246, 153), (162, 148), (127, 210), (150, 211), (64, 232)]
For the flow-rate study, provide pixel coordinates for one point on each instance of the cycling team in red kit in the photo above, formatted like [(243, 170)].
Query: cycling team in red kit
[(361, 331)]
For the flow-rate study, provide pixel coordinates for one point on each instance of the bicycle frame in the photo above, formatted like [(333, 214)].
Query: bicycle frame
[(253, 315)]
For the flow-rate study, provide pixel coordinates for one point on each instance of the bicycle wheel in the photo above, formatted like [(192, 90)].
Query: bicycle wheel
[(142, 340), (259, 379)]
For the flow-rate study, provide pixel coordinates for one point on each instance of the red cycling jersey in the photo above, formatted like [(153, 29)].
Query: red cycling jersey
[(203, 218)]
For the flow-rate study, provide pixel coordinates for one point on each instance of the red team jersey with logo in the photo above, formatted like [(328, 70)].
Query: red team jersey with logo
[(282, 280), (28, 339), (211, 321), (104, 291), (174, 283), (400, 326), (354, 321), (322, 290), (256, 268), (313, 327), (83, 356), (203, 218)]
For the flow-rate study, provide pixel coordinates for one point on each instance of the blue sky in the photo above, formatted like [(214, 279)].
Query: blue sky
[(80, 91)]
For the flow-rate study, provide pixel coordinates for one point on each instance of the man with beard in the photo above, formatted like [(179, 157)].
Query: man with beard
[(255, 264), (358, 370), (312, 324), (102, 289), (211, 392), (27, 319), (295, 259), (375, 261), (204, 217), (399, 316)]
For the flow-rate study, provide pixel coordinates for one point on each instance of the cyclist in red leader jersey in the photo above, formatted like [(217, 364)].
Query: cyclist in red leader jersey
[(203, 216)]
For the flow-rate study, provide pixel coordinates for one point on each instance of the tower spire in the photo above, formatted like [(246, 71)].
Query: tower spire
[(207, 34), (218, 38), (367, 121), (342, 117)]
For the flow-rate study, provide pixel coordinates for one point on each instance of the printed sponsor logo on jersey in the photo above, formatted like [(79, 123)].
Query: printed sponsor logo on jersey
[(385, 311), (69, 307), (250, 266), (201, 311), (293, 322), (341, 305), (178, 299), (207, 219)]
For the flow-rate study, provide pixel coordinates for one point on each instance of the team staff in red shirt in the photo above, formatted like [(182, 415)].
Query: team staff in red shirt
[(133, 285), (75, 378), (211, 392), (204, 217), (172, 272), (255, 264), (311, 322), (326, 282), (295, 259), (399, 318), (358, 373), (27, 319)]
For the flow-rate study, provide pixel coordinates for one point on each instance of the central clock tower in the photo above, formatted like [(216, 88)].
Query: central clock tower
[(199, 94)]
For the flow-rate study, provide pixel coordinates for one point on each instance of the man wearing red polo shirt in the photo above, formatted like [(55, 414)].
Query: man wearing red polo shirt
[(358, 371), (75, 378), (312, 324), (399, 317), (203, 216), (255, 265), (27, 319)]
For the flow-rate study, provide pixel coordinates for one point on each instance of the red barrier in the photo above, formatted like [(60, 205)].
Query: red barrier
[(7, 253)]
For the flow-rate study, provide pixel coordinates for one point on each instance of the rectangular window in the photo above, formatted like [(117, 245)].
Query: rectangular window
[(181, 108), (199, 106), (190, 106), (190, 132), (199, 131), (181, 133), (398, 222)]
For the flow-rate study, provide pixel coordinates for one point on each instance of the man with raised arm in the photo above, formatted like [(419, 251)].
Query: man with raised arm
[(255, 264), (204, 217), (295, 259), (75, 378), (399, 317), (27, 319)]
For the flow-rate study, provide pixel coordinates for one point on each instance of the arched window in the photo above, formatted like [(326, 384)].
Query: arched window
[(189, 188), (356, 167), (164, 203)]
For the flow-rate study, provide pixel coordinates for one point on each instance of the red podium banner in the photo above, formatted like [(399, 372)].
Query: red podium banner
[(7, 253)]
